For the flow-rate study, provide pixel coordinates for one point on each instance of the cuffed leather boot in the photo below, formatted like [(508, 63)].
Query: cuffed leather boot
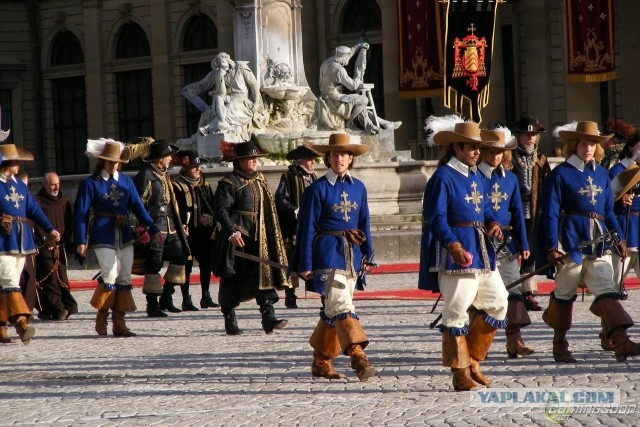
[(325, 344), (119, 327), (456, 356), (24, 329), (559, 316), (4, 318), (101, 322), (269, 320), (166, 299), (353, 341), (153, 309), (530, 302), (517, 318), (479, 340), (230, 323), (4, 337), (615, 322), (18, 313)]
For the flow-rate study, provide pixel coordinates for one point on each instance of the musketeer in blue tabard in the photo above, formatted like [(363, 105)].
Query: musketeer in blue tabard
[(333, 237), (627, 209), (456, 253), (503, 195), (17, 206), (111, 196), (578, 207)]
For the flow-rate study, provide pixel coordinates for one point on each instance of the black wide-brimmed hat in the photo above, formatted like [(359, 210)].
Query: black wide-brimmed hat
[(303, 151), (190, 158), (239, 150), (159, 149), (528, 124)]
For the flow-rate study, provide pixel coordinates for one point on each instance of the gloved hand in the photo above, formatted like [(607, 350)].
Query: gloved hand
[(355, 236), (494, 230), (554, 257), (621, 248), (458, 253)]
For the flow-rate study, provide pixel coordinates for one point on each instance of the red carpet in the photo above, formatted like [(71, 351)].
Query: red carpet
[(544, 287)]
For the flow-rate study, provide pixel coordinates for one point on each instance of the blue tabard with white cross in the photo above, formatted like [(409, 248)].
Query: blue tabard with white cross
[(502, 192), (326, 208), (569, 196), (107, 197), (17, 201)]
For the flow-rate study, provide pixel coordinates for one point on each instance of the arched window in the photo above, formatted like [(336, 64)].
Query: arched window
[(132, 42), (361, 15), (200, 33), (66, 50)]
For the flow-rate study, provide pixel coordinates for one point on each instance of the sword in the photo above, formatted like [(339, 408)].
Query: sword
[(260, 260), (604, 238)]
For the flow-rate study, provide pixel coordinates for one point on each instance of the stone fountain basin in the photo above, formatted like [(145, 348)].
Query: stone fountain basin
[(285, 92)]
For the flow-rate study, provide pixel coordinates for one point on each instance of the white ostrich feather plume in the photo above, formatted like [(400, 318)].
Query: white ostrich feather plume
[(4, 134), (571, 127), (95, 146), (435, 124), (508, 136)]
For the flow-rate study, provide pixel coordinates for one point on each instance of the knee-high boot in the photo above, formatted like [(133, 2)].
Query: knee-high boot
[(4, 319), (123, 302), (269, 320), (18, 313), (187, 302), (517, 317), (455, 355), (615, 322), (103, 299), (325, 344), (230, 323), (558, 316), (353, 341), (479, 340)]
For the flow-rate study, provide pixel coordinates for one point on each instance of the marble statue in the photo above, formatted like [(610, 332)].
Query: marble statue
[(340, 105), (236, 104)]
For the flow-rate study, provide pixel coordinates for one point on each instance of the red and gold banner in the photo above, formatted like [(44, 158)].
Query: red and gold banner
[(421, 43), (590, 39), (469, 47)]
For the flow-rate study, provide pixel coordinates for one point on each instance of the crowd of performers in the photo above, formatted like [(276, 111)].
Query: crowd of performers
[(483, 223), (495, 215)]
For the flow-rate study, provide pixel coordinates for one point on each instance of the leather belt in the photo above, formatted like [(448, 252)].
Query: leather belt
[(467, 224), (120, 219), (634, 213), (592, 215), (331, 233)]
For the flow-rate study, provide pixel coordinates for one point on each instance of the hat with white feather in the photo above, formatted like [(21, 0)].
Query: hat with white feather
[(452, 128), (108, 149), (581, 130)]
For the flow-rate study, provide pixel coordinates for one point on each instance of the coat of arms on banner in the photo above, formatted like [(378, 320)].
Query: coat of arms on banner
[(468, 57)]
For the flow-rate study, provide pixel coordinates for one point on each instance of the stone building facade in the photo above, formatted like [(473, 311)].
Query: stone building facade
[(72, 69)]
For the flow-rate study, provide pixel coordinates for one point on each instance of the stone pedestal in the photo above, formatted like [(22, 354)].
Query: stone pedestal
[(209, 145), (382, 147)]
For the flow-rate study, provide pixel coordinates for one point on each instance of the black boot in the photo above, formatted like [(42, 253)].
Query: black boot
[(269, 321), (230, 323), (153, 309), (166, 299), (187, 304), (207, 301), (290, 298)]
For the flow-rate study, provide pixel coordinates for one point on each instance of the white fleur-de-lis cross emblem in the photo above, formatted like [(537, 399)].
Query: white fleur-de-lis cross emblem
[(475, 197), (496, 197), (345, 206), (114, 195), (15, 197), (590, 191)]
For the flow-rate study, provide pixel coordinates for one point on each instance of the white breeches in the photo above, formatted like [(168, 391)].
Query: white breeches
[(10, 270), (115, 265), (338, 294)]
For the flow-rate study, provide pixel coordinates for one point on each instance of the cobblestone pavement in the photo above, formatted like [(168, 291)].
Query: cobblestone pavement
[(184, 370)]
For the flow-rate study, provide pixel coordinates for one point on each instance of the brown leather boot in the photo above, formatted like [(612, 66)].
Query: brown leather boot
[(360, 363), (4, 338), (517, 318), (558, 317), (353, 341), (119, 326), (530, 302), (615, 322), (18, 313), (605, 342), (101, 322), (325, 344), (479, 340), (456, 355)]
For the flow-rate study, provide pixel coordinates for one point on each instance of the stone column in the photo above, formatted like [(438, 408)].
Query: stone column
[(162, 73)]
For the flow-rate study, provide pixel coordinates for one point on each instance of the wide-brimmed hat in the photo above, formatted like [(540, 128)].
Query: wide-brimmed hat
[(581, 130), (507, 140), (108, 149), (159, 149), (341, 142), (466, 132), (628, 178), (11, 152), (303, 151), (527, 124), (239, 150), (190, 158)]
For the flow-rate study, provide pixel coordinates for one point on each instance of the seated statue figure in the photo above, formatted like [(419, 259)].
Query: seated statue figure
[(339, 105), (236, 103)]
